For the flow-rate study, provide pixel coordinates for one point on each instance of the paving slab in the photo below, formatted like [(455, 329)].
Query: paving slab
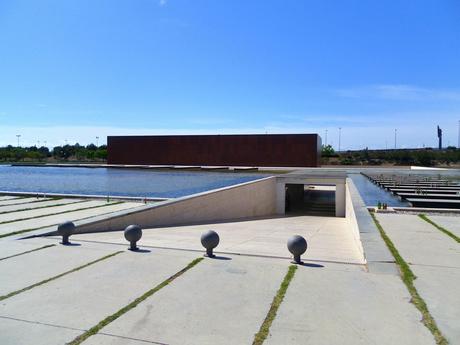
[(329, 238), (420, 242), (14, 332), (8, 197), (217, 302), (56, 219), (435, 260), (10, 247), (331, 306), (22, 271), (439, 287), (104, 339), (34, 205), (10, 217), (451, 223), (20, 201), (82, 299)]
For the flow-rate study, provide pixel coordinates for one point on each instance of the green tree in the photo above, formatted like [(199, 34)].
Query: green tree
[(327, 151)]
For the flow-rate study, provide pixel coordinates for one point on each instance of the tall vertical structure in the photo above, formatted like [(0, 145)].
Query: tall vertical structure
[(440, 138)]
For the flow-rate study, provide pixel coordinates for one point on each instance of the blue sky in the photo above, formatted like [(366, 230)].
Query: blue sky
[(76, 69)]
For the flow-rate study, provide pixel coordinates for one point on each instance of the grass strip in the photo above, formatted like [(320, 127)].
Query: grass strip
[(260, 336), (47, 226), (95, 329), (439, 227), (22, 203), (27, 252), (14, 293), (25, 230), (54, 214), (408, 278), (38, 208)]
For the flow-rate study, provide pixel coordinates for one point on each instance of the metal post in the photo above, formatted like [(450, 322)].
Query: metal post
[(340, 134), (458, 145), (396, 131)]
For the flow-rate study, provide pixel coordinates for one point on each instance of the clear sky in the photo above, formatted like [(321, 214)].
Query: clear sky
[(76, 69)]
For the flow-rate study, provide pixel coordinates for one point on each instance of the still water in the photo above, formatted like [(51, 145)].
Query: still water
[(372, 194), (116, 182)]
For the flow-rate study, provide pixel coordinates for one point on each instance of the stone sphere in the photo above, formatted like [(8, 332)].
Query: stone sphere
[(66, 228), (210, 239), (133, 233), (297, 245)]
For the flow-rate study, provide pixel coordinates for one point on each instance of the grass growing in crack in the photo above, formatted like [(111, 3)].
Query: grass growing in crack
[(57, 213), (47, 226), (408, 278), (444, 230), (95, 329), (260, 336), (24, 231), (27, 252), (22, 203), (14, 293), (38, 208)]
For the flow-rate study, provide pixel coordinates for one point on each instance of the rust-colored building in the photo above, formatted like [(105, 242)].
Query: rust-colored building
[(269, 150)]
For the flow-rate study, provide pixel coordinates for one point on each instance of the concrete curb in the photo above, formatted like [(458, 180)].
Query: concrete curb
[(379, 258)]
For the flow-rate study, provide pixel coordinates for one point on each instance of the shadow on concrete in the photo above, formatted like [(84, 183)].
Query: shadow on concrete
[(140, 251), (221, 258), (71, 244), (308, 264)]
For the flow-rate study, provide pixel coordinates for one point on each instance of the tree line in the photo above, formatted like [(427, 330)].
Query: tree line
[(423, 157), (75, 152)]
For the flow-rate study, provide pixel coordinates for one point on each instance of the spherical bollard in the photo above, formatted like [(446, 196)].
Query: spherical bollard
[(65, 230), (133, 233), (210, 240), (297, 245)]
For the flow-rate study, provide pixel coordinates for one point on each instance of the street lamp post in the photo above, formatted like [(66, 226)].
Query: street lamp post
[(396, 133), (340, 134), (458, 145)]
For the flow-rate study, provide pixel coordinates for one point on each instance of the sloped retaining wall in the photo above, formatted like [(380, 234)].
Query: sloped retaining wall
[(245, 200)]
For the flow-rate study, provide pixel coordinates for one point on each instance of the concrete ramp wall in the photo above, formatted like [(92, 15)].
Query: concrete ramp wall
[(378, 257), (250, 199), (350, 214)]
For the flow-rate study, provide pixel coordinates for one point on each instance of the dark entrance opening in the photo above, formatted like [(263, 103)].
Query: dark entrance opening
[(310, 200)]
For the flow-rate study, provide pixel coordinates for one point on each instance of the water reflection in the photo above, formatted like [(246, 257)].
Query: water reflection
[(106, 181)]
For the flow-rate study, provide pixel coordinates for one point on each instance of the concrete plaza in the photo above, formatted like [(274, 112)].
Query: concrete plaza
[(51, 294)]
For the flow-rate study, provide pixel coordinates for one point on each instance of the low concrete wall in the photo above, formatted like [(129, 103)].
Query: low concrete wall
[(377, 256), (351, 216), (245, 200)]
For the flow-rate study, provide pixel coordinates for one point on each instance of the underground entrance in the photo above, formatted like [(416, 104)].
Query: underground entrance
[(307, 199)]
